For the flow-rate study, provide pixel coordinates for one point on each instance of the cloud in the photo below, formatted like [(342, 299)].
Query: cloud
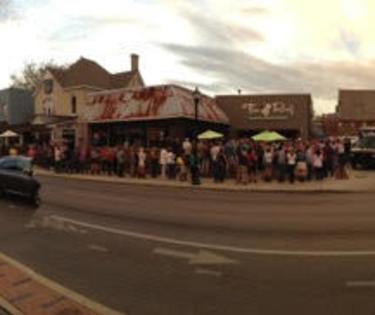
[(214, 29), (231, 70), (350, 42), (6, 10)]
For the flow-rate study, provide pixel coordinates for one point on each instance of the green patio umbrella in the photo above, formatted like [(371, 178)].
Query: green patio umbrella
[(210, 135), (268, 136)]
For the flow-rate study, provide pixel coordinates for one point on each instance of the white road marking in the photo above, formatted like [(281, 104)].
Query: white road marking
[(202, 271), (360, 284), (98, 248), (80, 299), (51, 223), (254, 251), (201, 258)]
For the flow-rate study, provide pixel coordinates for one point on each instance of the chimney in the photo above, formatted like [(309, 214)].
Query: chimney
[(134, 62)]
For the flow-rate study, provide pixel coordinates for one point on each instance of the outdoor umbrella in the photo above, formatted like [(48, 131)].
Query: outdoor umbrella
[(9, 134), (268, 136), (209, 135)]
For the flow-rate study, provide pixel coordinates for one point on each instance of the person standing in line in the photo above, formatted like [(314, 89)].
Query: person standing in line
[(120, 162), (187, 147), (181, 165), (133, 162), (163, 162), (281, 164), (341, 168), (214, 153), (230, 153), (309, 161), (154, 163), (329, 158), (252, 165), (222, 163), (291, 164), (242, 175), (142, 163), (171, 164), (301, 167), (268, 162), (57, 159), (318, 164), (95, 161), (194, 169)]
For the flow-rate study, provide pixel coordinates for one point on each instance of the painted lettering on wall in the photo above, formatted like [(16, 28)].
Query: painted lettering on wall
[(270, 110)]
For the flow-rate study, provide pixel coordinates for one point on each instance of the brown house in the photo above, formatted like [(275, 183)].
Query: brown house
[(355, 110), (61, 99), (356, 105), (289, 114)]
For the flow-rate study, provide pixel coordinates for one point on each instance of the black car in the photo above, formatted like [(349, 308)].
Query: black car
[(363, 153), (16, 177)]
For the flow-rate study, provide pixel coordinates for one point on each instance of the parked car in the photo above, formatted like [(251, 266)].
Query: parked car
[(363, 153), (16, 177)]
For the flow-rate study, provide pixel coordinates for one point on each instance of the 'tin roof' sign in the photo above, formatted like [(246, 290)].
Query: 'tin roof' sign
[(269, 111)]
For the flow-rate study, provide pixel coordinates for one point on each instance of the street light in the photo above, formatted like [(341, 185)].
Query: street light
[(197, 99), (195, 180)]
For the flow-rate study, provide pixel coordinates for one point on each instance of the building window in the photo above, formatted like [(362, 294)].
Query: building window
[(48, 86), (73, 105)]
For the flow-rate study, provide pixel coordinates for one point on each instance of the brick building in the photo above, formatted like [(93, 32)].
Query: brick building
[(288, 114), (355, 110)]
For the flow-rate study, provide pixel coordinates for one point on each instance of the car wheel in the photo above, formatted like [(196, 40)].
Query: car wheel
[(2, 192), (35, 200)]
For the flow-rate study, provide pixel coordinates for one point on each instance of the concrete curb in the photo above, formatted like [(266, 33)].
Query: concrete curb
[(146, 183)]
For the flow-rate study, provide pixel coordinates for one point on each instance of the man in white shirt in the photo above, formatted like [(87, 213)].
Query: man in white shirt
[(187, 146), (163, 162)]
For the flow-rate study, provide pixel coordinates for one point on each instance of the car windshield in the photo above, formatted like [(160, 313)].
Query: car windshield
[(16, 163), (367, 142)]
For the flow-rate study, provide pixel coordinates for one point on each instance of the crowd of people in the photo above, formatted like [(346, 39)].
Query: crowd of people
[(240, 159)]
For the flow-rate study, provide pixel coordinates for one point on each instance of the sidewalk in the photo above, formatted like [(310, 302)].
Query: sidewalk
[(359, 182)]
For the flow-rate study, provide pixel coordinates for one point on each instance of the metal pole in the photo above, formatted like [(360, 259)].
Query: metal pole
[(196, 180)]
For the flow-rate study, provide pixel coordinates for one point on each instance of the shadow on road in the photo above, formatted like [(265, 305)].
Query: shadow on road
[(17, 202)]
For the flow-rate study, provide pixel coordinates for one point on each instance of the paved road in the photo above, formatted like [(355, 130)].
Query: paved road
[(142, 250)]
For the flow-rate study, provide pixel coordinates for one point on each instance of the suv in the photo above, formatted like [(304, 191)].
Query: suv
[(363, 153), (16, 177)]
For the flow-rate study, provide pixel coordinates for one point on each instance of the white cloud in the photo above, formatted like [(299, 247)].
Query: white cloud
[(284, 33)]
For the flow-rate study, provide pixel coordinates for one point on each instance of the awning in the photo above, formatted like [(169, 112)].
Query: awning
[(268, 136), (210, 135), (9, 134), (151, 103)]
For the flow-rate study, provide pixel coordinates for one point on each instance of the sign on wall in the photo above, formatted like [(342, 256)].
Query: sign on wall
[(269, 111)]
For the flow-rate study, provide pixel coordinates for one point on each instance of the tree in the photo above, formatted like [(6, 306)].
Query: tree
[(32, 75)]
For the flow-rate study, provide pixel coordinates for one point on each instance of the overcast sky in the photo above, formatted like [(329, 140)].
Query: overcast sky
[(262, 46)]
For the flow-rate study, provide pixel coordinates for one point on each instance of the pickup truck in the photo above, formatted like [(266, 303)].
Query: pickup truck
[(363, 153)]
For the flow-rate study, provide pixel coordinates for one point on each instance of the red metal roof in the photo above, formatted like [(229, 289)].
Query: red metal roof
[(151, 103)]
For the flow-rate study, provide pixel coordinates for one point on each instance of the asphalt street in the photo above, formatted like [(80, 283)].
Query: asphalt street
[(146, 250)]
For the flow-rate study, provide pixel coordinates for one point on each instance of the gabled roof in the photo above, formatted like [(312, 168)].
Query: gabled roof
[(90, 73), (151, 103)]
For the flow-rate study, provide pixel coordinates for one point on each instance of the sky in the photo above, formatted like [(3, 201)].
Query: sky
[(221, 46)]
